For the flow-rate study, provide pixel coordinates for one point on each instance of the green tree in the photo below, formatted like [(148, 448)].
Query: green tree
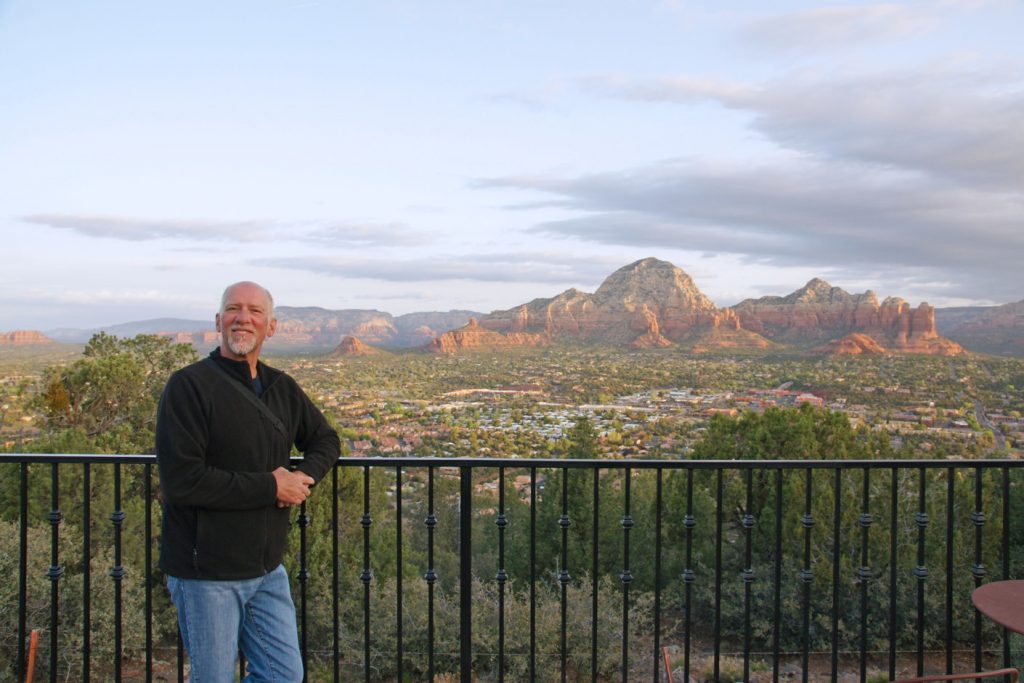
[(109, 396), (583, 439)]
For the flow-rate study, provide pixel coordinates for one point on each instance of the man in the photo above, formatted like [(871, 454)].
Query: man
[(224, 433)]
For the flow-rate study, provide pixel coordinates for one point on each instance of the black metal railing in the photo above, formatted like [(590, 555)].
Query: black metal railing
[(408, 568)]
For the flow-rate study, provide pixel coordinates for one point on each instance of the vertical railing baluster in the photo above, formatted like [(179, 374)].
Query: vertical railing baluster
[(978, 570), (920, 570), (533, 574), (117, 517), (864, 573), (147, 492), (431, 575), (303, 524), (465, 574), (689, 523), (22, 565), (502, 576), (893, 549), (366, 576), (335, 591), (837, 520), (594, 575), (399, 655), (626, 577), (657, 573), (806, 574), (563, 577), (950, 505), (717, 633), (86, 571), (1006, 551), (180, 657), (777, 579), (55, 571), (747, 574)]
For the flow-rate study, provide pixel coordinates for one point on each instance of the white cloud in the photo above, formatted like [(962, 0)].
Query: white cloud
[(339, 233), (967, 126)]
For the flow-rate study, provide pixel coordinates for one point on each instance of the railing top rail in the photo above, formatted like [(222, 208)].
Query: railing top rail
[(555, 463)]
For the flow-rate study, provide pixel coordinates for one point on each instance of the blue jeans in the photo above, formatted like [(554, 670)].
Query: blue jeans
[(256, 616)]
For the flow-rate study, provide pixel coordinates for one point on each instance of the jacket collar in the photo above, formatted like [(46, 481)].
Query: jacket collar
[(240, 369)]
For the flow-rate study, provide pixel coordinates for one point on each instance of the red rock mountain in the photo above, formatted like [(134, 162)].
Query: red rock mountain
[(24, 338), (652, 303), (819, 312), (351, 346), (649, 303)]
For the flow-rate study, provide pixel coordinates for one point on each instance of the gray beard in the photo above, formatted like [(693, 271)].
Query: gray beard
[(240, 347)]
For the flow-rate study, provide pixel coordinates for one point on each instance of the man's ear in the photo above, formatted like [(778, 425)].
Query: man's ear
[(216, 321), (272, 327)]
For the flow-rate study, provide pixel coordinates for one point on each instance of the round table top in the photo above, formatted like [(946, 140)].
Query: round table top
[(1002, 602)]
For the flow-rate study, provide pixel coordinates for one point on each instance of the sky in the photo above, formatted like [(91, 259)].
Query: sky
[(409, 156)]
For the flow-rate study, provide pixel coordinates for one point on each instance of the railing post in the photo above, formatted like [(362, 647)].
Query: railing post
[(148, 494), (56, 571), (502, 576), (117, 572), (303, 521), (22, 566), (978, 570), (398, 574), (366, 576), (431, 575), (86, 572), (465, 574)]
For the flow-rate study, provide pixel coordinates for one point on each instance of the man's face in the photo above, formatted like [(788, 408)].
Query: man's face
[(244, 322)]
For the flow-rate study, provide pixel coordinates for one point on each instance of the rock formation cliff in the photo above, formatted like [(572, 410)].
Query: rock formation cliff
[(24, 338), (473, 336), (820, 313)]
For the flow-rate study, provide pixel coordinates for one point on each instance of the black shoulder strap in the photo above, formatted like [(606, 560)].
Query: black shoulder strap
[(249, 396)]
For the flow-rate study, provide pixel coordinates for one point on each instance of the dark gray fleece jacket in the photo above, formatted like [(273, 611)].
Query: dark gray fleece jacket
[(215, 453)]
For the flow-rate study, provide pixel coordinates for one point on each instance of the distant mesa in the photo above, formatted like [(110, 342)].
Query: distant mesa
[(351, 346), (24, 338), (995, 329), (308, 328), (199, 340), (319, 328)]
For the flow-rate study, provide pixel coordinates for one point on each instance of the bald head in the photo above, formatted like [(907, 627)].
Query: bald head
[(246, 284)]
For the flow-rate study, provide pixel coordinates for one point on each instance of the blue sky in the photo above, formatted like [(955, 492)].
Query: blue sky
[(411, 156)]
